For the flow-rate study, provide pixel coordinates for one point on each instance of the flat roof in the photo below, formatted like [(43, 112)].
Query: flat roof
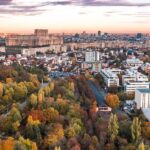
[(144, 90), (146, 112)]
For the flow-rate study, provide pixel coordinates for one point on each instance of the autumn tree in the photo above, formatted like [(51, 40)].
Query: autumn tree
[(51, 140), (33, 100), (141, 146), (136, 129), (113, 127), (57, 148), (112, 101), (24, 144), (33, 129), (41, 96), (47, 91), (20, 91), (51, 86), (1, 89), (146, 130), (15, 114), (51, 114), (7, 144), (37, 114), (54, 136)]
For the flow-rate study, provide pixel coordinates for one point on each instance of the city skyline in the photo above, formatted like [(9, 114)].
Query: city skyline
[(114, 16)]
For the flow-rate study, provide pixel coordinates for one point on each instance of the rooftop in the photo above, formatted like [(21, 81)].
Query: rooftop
[(144, 90), (146, 112)]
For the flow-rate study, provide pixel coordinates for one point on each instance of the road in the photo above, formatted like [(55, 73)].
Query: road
[(99, 93)]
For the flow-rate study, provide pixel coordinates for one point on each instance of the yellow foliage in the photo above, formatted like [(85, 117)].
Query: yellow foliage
[(9, 80), (1, 89), (32, 122)]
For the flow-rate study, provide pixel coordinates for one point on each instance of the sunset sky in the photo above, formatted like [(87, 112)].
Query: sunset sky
[(116, 16)]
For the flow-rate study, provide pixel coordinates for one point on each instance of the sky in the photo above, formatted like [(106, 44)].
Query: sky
[(113, 16)]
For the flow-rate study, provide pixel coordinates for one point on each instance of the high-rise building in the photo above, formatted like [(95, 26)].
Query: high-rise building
[(92, 56), (99, 33), (139, 35)]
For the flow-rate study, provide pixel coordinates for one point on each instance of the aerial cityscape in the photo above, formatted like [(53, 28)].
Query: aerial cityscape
[(74, 75)]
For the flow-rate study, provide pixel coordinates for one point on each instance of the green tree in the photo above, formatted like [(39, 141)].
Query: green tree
[(113, 127), (15, 114), (136, 129)]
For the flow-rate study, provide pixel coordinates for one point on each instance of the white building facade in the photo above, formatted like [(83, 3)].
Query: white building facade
[(142, 98), (92, 56), (110, 77)]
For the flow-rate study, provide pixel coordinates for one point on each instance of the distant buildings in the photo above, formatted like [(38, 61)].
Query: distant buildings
[(40, 38)]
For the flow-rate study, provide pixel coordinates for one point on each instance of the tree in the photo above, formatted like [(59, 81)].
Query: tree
[(146, 130), (141, 146), (47, 91), (58, 130), (51, 140), (57, 148), (51, 85), (70, 132), (24, 144), (15, 114), (7, 144), (112, 100), (1, 89), (136, 129), (33, 129), (41, 96), (20, 91), (51, 114), (33, 100), (113, 127)]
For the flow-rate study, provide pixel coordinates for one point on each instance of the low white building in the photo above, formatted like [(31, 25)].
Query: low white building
[(133, 75), (110, 77), (133, 80), (133, 63), (142, 98), (2, 48), (132, 86)]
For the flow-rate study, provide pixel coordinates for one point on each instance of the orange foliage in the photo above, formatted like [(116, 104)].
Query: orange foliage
[(7, 144), (37, 115), (112, 100), (146, 130)]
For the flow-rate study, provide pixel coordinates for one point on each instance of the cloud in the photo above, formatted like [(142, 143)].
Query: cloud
[(27, 8), (109, 3), (5, 2)]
